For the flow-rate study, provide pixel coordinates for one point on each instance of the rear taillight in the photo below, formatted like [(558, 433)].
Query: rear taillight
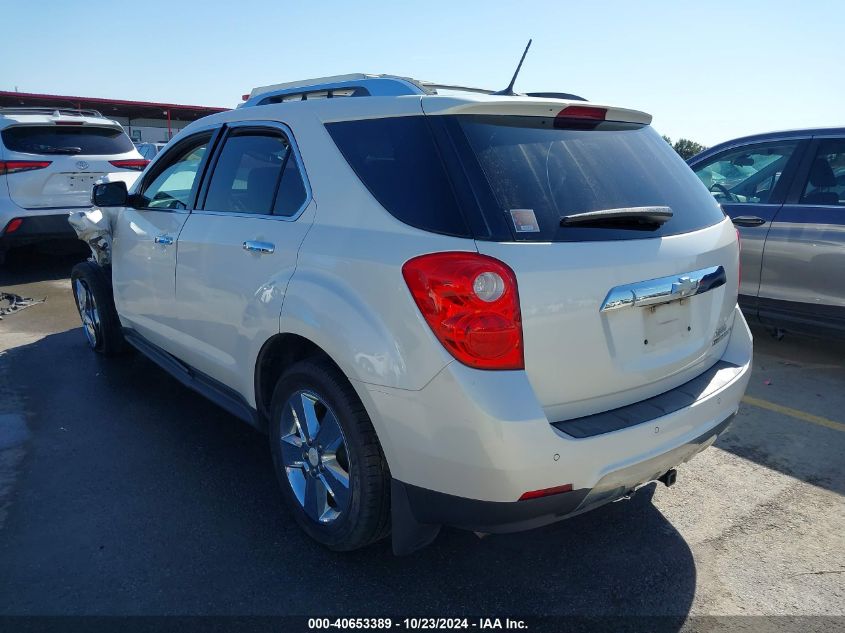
[(137, 164), (13, 226), (16, 166), (739, 260), (471, 303)]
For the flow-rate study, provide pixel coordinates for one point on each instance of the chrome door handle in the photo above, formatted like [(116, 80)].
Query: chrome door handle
[(748, 220), (165, 240), (259, 247)]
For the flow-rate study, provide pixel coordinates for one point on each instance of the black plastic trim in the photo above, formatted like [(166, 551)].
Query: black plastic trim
[(668, 402), (429, 507), (205, 385), (39, 227), (818, 320)]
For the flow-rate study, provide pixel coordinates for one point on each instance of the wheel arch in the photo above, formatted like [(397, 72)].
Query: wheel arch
[(285, 349), (278, 353)]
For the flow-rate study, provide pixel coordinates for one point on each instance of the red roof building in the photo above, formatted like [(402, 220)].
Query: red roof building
[(143, 120)]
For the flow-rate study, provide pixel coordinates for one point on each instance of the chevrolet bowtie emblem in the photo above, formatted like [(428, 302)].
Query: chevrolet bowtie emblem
[(685, 286)]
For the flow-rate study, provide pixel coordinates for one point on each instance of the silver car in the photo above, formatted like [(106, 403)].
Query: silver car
[(785, 192)]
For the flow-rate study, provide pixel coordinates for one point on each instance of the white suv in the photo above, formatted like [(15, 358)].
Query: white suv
[(49, 160), (484, 311)]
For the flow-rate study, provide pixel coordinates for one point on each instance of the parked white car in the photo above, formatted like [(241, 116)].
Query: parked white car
[(49, 160), (484, 311)]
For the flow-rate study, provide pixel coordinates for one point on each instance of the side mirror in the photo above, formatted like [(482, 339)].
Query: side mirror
[(110, 194)]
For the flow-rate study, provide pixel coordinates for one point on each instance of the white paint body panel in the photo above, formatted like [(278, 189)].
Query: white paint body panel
[(581, 361), (229, 299), (143, 272)]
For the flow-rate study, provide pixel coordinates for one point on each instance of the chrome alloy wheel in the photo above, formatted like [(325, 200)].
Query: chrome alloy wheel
[(315, 456), (88, 312)]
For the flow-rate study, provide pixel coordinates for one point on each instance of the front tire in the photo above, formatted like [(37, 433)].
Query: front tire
[(95, 303), (327, 457)]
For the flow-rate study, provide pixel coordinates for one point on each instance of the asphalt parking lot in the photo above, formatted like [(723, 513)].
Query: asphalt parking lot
[(122, 492)]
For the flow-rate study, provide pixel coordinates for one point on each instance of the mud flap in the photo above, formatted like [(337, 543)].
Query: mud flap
[(408, 534), (93, 227)]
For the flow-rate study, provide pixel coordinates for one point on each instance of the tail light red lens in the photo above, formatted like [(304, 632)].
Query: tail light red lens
[(471, 303), (16, 166), (546, 492), (137, 164), (13, 226)]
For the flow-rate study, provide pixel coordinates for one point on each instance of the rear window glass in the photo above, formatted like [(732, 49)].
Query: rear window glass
[(539, 173), (51, 139), (398, 161), (515, 177)]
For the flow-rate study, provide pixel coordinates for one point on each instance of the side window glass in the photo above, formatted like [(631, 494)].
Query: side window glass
[(251, 168), (171, 187), (748, 174), (292, 192), (826, 179)]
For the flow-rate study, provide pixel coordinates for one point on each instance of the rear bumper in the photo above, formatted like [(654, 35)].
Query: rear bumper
[(467, 446), (35, 228), (430, 507)]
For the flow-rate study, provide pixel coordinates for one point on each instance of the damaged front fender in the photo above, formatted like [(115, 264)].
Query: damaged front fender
[(94, 227)]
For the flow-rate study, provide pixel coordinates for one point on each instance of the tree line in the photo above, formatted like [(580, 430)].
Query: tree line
[(685, 147)]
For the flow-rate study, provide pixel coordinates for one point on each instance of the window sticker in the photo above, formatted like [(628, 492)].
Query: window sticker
[(525, 221)]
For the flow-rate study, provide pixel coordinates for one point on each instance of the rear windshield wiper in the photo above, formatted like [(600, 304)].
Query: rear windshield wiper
[(645, 217), (59, 150)]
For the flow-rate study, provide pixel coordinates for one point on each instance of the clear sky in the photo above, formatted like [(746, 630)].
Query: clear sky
[(709, 71)]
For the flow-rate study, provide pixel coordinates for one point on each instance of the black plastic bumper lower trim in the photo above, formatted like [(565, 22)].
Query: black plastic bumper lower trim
[(718, 376), (35, 228)]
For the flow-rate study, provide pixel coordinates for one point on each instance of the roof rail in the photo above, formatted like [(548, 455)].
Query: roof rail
[(49, 110), (355, 85), (363, 85)]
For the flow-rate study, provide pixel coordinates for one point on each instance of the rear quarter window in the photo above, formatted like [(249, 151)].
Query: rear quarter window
[(398, 161), (53, 139)]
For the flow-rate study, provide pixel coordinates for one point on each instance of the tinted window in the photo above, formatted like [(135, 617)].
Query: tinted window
[(748, 174), (250, 169), (173, 182), (43, 139), (826, 179), (539, 173), (397, 160), (292, 193)]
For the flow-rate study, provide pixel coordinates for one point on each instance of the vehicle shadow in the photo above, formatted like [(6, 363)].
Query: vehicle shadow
[(43, 262), (138, 496)]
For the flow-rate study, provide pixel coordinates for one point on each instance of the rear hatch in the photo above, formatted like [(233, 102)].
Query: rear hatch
[(73, 155), (616, 307)]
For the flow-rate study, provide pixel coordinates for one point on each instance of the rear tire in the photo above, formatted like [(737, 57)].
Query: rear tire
[(313, 456), (93, 295)]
